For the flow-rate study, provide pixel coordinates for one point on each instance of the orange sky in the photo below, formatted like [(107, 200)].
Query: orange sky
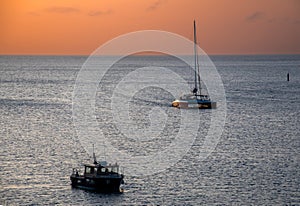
[(79, 27)]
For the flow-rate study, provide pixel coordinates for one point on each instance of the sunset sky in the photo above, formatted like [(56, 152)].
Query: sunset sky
[(77, 27)]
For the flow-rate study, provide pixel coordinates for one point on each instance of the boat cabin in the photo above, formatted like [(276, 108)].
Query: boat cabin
[(100, 169), (195, 97)]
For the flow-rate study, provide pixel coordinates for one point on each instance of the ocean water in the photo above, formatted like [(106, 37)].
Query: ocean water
[(256, 160)]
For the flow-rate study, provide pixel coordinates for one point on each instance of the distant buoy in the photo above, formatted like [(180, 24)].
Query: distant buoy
[(288, 77)]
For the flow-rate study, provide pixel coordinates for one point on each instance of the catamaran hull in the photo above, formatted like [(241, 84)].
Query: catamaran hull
[(194, 105)]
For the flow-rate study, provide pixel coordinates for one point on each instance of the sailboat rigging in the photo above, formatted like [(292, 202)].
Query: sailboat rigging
[(196, 99)]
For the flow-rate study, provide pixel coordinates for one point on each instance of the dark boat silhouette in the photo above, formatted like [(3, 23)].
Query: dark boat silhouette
[(99, 176)]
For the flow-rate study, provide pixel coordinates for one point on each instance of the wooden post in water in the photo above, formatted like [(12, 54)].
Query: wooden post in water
[(288, 77)]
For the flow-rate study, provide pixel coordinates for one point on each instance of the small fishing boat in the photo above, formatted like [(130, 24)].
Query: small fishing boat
[(195, 99), (99, 176)]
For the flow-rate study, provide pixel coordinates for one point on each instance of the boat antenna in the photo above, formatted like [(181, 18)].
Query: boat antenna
[(94, 156)]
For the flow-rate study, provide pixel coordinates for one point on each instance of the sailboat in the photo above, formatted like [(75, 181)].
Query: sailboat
[(195, 99)]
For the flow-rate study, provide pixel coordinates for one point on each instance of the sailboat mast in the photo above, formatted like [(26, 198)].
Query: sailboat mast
[(195, 56), (197, 71)]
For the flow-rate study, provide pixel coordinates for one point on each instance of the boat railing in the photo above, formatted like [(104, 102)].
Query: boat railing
[(93, 170), (112, 169), (76, 172), (203, 97)]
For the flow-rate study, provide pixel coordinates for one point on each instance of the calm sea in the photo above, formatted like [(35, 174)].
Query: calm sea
[(256, 160)]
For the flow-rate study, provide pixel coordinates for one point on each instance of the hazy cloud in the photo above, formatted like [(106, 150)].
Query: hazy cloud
[(284, 21), (99, 13), (62, 9), (155, 5), (297, 22), (255, 16), (33, 13)]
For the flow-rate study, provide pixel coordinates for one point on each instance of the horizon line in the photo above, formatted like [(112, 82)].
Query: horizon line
[(157, 54)]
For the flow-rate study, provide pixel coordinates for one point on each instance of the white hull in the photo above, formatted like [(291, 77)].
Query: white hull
[(194, 104)]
